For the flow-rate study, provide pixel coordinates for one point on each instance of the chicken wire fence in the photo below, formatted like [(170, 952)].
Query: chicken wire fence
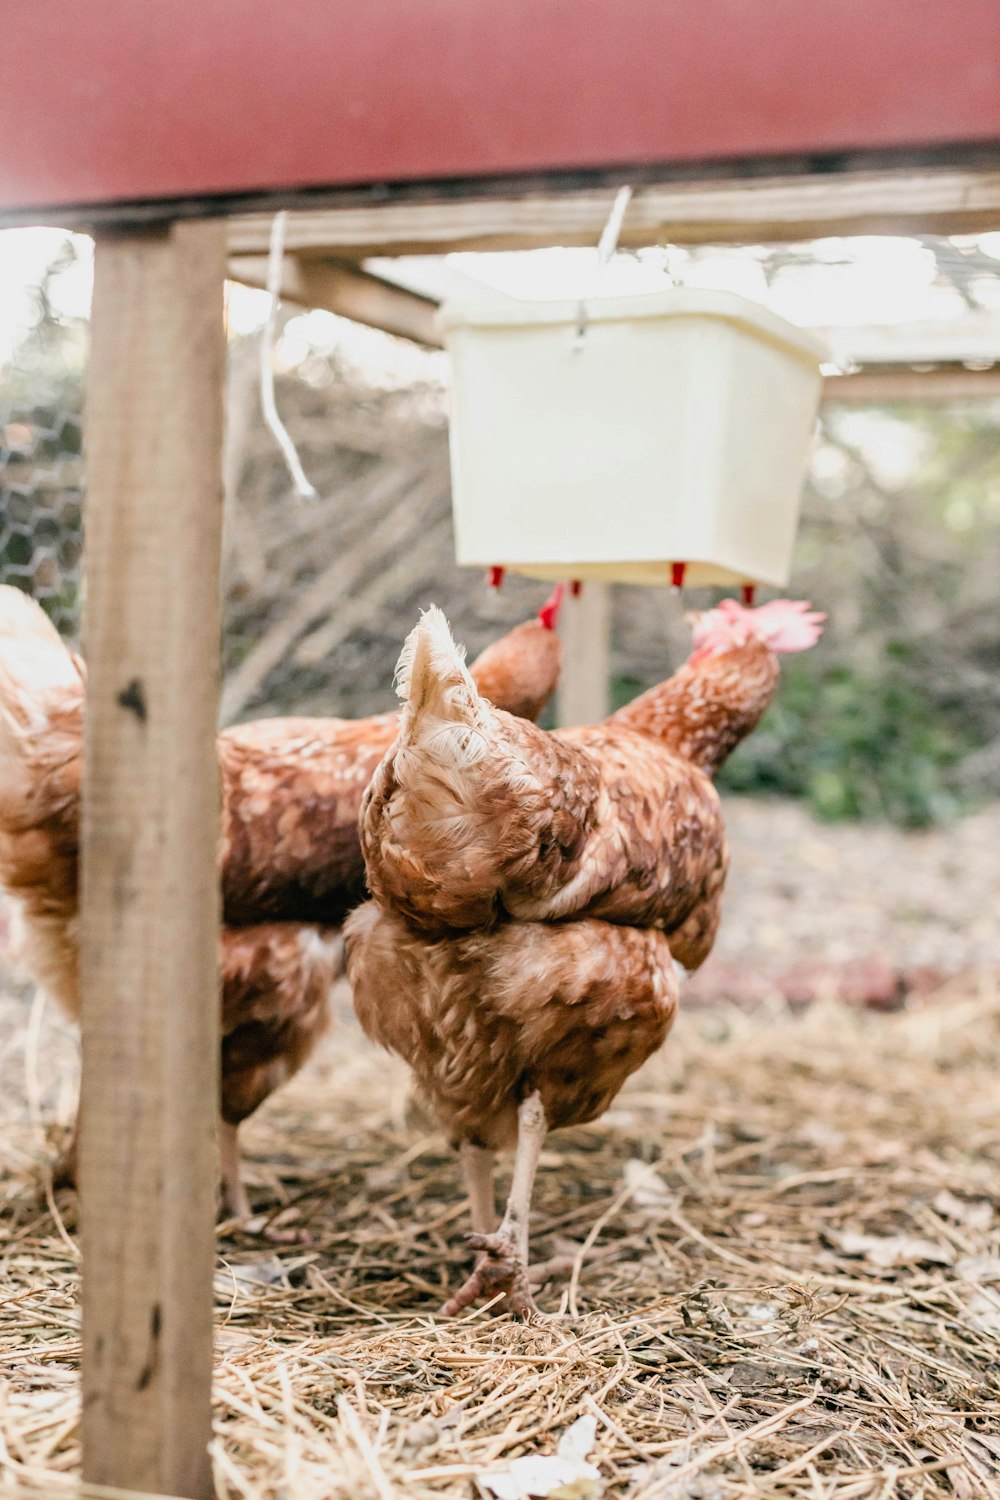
[(41, 476), (897, 713), (377, 540)]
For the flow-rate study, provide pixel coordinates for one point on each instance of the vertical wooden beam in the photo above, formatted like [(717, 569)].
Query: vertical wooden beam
[(149, 901), (585, 683)]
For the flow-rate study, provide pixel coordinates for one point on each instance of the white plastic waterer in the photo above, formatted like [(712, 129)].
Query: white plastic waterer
[(675, 429)]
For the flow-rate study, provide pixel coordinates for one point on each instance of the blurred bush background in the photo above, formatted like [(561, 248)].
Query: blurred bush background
[(895, 716)]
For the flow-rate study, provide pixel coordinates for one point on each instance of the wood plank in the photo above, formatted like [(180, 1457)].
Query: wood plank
[(748, 211), (972, 337), (150, 901), (947, 383), (585, 681), (344, 288)]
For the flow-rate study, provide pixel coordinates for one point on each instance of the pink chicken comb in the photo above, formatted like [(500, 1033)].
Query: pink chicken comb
[(783, 624)]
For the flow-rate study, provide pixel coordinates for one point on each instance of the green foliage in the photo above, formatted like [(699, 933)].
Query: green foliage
[(895, 715), (853, 745)]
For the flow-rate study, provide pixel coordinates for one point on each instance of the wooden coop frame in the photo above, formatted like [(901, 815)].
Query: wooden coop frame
[(327, 250), (406, 127)]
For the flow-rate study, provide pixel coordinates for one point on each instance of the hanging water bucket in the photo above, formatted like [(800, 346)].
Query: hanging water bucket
[(622, 439)]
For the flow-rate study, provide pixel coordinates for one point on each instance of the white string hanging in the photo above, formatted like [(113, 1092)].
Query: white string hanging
[(268, 405), (606, 247)]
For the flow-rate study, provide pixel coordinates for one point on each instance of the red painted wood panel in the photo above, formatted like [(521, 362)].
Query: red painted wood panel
[(112, 100)]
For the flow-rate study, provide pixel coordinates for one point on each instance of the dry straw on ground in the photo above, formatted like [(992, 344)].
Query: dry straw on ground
[(791, 1285)]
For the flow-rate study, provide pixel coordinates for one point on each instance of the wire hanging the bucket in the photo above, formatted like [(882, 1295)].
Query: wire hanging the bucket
[(268, 404), (606, 247)]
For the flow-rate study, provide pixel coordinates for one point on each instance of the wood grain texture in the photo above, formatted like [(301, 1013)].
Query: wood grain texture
[(150, 900), (940, 200), (342, 287), (585, 684), (945, 384)]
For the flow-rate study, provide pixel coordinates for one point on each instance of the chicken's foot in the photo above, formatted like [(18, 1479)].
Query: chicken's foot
[(556, 1268), (234, 1201), (503, 1266)]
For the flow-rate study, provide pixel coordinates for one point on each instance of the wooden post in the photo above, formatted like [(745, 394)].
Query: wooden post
[(584, 686), (149, 901)]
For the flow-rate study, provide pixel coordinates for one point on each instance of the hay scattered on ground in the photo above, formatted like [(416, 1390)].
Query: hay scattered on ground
[(791, 1284)]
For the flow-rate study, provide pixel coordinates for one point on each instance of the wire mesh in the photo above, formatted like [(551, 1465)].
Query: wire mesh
[(41, 473)]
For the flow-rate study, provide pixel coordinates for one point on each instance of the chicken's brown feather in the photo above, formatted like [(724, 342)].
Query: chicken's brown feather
[(292, 794), (39, 848), (488, 1018), (709, 706), (292, 789), (276, 979), (599, 822)]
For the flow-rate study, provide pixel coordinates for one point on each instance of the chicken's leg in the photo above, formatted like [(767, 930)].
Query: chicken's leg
[(65, 1171), (477, 1168), (504, 1263), (235, 1202)]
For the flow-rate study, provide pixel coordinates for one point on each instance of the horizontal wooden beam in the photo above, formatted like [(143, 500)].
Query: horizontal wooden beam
[(946, 383), (972, 338), (753, 210), (932, 355), (325, 281)]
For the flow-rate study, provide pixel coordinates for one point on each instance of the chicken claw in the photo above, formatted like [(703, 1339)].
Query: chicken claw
[(278, 1229), (556, 1268), (500, 1269), (503, 1266)]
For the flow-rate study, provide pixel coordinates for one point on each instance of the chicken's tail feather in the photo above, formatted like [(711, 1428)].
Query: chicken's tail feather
[(449, 749), (442, 705)]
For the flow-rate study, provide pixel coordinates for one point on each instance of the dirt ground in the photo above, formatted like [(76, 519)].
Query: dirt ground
[(785, 1235), (862, 910)]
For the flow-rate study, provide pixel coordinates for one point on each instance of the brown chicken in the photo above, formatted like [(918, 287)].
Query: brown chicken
[(291, 794), (275, 979), (534, 892), (292, 789), (474, 816), (510, 1034)]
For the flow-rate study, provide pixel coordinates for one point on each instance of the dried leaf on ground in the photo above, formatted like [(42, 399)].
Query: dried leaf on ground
[(564, 1475)]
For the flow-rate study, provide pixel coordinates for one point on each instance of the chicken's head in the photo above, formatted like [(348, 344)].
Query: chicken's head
[(783, 625)]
